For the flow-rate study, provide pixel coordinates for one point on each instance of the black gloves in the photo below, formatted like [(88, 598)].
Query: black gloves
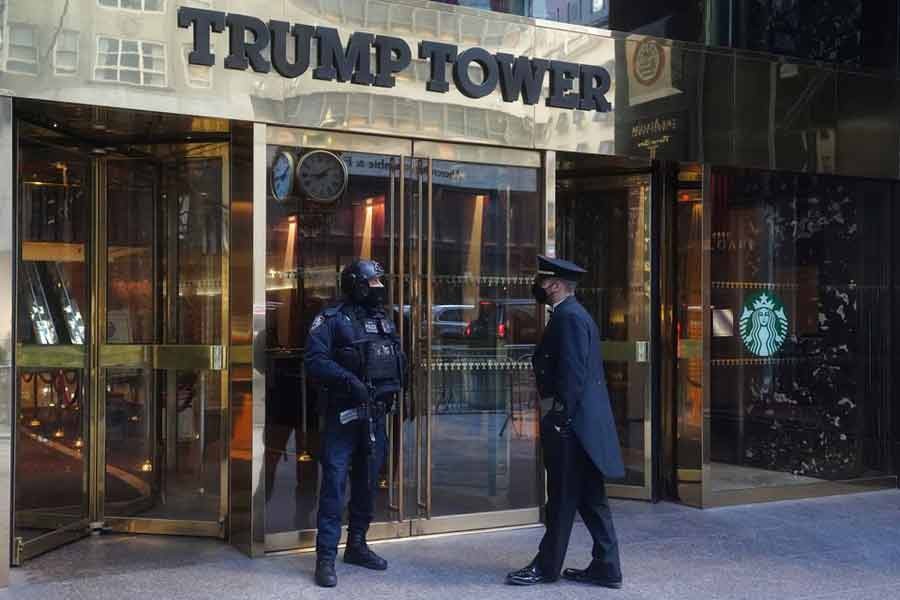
[(359, 393), (561, 424)]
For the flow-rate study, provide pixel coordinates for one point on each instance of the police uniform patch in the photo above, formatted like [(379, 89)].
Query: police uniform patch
[(316, 322), (371, 326)]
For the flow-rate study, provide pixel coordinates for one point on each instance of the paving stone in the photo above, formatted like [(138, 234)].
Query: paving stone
[(829, 548)]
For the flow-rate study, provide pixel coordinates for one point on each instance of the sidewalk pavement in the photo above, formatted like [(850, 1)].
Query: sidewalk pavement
[(844, 548)]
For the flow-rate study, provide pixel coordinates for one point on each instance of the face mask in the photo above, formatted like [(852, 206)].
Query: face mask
[(376, 296), (539, 293)]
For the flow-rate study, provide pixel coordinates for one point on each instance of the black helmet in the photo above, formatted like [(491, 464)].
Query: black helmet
[(355, 279)]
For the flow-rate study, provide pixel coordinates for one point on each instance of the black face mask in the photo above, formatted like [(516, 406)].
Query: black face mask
[(539, 293), (376, 297)]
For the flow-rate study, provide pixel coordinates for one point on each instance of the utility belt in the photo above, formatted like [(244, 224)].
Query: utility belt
[(342, 408), (363, 413)]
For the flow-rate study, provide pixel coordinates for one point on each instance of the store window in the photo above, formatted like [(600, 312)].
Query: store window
[(143, 5), (130, 61), (65, 54), (801, 315), (23, 51)]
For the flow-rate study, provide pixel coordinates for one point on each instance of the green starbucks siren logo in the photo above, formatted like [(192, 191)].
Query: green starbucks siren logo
[(763, 324)]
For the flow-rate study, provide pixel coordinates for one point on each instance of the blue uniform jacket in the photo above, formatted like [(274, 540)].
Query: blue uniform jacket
[(568, 366), (330, 330)]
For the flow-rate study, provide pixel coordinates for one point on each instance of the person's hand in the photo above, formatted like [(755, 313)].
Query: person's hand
[(563, 425), (359, 393)]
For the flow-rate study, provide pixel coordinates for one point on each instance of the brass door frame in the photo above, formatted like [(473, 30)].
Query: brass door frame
[(96, 356), (622, 350), (413, 264), (396, 149), (423, 406), (169, 357), (35, 356)]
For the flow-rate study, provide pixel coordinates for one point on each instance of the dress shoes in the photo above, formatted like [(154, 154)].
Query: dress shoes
[(530, 575), (592, 577)]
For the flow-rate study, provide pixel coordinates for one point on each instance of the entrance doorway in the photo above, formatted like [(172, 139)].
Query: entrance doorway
[(603, 222), (122, 325), (458, 229)]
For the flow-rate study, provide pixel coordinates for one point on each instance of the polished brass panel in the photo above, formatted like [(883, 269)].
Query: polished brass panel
[(429, 328), (619, 351), (576, 130), (477, 154), (240, 355), (730, 108), (795, 492), (550, 203), (631, 492), (240, 352), (69, 356), (8, 261), (166, 527), (163, 356), (305, 540), (26, 550), (475, 521), (338, 141), (257, 416)]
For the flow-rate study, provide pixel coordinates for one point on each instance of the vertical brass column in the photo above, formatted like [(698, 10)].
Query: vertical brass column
[(240, 267), (258, 466), (7, 314)]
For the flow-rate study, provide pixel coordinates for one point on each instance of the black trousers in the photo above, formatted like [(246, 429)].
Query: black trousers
[(575, 483)]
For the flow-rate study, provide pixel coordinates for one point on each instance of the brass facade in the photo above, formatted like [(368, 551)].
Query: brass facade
[(728, 107)]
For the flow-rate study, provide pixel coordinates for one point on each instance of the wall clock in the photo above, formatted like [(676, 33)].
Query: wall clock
[(322, 176), (283, 175)]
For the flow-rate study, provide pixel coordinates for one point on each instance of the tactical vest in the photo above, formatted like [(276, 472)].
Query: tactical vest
[(373, 355)]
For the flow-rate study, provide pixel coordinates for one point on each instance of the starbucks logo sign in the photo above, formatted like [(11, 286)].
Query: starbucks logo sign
[(763, 324)]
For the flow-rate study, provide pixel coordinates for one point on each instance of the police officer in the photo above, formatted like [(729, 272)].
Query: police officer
[(578, 434), (354, 351)]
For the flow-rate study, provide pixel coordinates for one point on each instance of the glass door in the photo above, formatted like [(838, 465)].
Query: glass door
[(473, 231), (121, 327), (603, 223), (312, 233), (161, 392), (458, 230), (52, 433)]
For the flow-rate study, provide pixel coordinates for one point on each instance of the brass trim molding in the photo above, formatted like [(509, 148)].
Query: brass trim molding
[(305, 540), (714, 499), (70, 356), (511, 157), (163, 356), (337, 141), (166, 526)]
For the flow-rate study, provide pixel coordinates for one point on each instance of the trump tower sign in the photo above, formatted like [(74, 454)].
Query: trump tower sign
[(287, 48)]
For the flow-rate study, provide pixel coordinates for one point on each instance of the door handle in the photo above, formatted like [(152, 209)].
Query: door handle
[(641, 351)]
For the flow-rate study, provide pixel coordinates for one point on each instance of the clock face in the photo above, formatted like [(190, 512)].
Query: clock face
[(322, 176), (283, 175)]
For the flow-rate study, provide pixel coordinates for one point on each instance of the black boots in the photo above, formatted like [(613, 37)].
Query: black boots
[(325, 575), (357, 552)]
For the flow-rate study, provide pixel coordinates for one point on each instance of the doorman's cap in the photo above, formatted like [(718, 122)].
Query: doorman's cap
[(557, 267)]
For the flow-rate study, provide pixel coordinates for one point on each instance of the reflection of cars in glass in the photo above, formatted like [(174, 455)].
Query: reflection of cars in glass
[(449, 320), (510, 322)]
